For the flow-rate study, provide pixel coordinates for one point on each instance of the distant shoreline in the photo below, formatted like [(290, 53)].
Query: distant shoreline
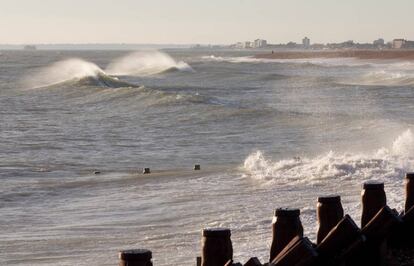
[(360, 54)]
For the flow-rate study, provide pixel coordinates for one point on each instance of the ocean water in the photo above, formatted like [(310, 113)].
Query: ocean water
[(267, 133)]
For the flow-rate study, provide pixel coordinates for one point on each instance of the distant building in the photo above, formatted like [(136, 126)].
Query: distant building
[(306, 42), (259, 43), (291, 45), (379, 43), (348, 44), (398, 43), (239, 45), (402, 44), (343, 45), (247, 44), (366, 46)]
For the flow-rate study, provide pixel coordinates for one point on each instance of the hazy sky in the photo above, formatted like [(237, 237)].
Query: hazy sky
[(207, 21)]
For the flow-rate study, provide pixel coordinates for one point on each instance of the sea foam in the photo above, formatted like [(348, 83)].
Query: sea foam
[(382, 164), (387, 78)]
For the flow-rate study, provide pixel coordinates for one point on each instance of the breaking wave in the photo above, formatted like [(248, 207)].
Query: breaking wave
[(385, 74), (324, 62), (240, 59), (63, 71), (382, 164), (88, 73), (386, 78), (146, 63), (73, 72)]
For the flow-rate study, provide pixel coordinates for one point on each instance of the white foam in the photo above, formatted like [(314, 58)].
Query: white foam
[(382, 164), (314, 61), (62, 71), (145, 63), (241, 59), (386, 73), (387, 78)]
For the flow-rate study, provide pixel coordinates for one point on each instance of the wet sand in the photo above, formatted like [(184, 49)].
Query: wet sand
[(360, 54)]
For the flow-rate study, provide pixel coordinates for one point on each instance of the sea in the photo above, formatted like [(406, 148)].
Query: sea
[(78, 127)]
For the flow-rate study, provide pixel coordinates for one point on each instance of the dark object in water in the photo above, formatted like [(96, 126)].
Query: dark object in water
[(216, 247), (197, 167), (373, 199), (135, 257), (329, 212), (146, 171), (286, 225), (299, 251), (96, 172)]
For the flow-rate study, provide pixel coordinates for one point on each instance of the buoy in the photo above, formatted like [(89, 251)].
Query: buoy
[(146, 171)]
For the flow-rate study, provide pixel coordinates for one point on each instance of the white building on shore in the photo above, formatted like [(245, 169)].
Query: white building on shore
[(306, 42), (398, 43), (247, 44), (402, 44), (259, 43)]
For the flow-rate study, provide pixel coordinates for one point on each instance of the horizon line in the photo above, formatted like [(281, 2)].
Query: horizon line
[(175, 44)]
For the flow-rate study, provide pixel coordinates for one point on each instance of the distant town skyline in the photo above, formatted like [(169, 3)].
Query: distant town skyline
[(204, 22)]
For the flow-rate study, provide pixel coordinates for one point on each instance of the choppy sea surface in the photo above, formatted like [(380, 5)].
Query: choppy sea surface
[(267, 133)]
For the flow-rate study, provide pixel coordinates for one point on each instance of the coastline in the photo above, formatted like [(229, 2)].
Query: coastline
[(359, 54)]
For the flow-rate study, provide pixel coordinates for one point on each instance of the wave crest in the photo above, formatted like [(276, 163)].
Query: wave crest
[(146, 63), (63, 71), (322, 62), (385, 74), (382, 164), (387, 78), (87, 73)]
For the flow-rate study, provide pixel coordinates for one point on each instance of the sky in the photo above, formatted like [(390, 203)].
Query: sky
[(205, 22)]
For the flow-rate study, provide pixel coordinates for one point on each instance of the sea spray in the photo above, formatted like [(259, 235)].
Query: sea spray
[(386, 78), (373, 72), (323, 62), (382, 73), (382, 164), (145, 63), (62, 71), (138, 64), (75, 72)]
